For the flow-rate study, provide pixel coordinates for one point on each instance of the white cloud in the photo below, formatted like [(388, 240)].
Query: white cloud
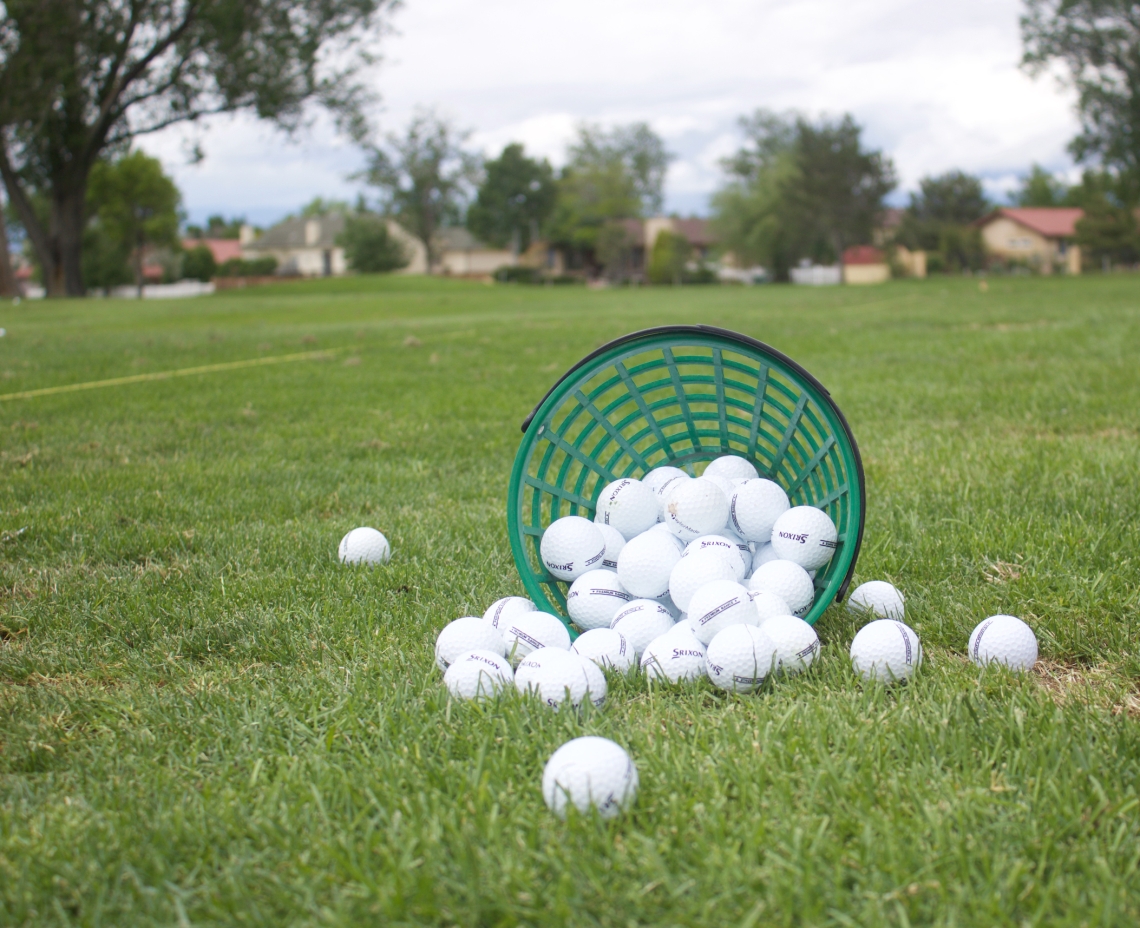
[(937, 87)]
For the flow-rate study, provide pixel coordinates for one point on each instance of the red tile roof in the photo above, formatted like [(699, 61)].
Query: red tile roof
[(863, 254), (221, 248), (1050, 221)]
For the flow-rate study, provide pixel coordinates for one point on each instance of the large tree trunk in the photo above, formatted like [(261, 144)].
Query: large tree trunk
[(68, 214), (8, 288), (42, 242)]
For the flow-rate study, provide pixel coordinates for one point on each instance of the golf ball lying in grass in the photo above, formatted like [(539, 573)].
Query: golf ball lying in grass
[(364, 546), (533, 630), (795, 642), (640, 621), (787, 580), (806, 536), (887, 651), (607, 648), (594, 598), (502, 611), (739, 657), (571, 546), (718, 605), (878, 598), (467, 634), (556, 676), (587, 773), (1003, 639), (674, 657), (627, 505), (478, 675)]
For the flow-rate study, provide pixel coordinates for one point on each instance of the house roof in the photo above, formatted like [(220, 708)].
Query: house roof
[(863, 254), (223, 249), (293, 233), (457, 238), (697, 231), (1050, 221)]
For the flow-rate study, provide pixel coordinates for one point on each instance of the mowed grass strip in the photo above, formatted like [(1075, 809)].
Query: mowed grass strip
[(207, 720)]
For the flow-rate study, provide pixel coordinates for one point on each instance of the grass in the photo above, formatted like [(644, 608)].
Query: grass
[(206, 720)]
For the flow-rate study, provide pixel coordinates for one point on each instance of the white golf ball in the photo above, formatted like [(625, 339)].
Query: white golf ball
[(694, 508), (556, 676), (570, 546), (886, 650), (690, 573), (533, 630), (726, 485), (743, 547), (1003, 639), (606, 648), (806, 536), (732, 467), (662, 529), (722, 545), (767, 605), (505, 609), (645, 563), (629, 506), (466, 634), (640, 622), (787, 580), (654, 478), (615, 541), (478, 675), (675, 656), (718, 605), (667, 601), (364, 546), (763, 554), (795, 641), (754, 507), (665, 490), (594, 598), (877, 598), (739, 657), (587, 773)]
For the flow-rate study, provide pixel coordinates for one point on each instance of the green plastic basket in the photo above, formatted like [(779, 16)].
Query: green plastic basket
[(682, 395)]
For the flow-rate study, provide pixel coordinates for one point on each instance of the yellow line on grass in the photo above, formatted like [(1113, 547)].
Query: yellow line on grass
[(167, 375)]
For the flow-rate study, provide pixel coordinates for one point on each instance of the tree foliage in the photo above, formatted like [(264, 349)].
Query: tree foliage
[(799, 189), (667, 258), (79, 78), (198, 263), (514, 200), (368, 245), (1041, 188), (1097, 43), (938, 219), (425, 177)]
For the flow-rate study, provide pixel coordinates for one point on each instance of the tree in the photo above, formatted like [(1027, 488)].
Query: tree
[(424, 176), (199, 264), (1097, 42), (668, 257), (939, 219), (1040, 188), (368, 245), (514, 199), (136, 204), (79, 78), (218, 227)]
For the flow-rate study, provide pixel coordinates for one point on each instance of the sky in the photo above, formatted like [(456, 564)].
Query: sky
[(935, 86)]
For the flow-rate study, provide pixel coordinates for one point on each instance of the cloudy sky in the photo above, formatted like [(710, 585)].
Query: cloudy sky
[(935, 85)]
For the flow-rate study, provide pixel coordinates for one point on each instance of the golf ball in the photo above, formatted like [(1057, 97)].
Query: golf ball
[(739, 657), (615, 541), (674, 657), (694, 508), (594, 598), (731, 467), (533, 630), (505, 609), (659, 475), (787, 580), (754, 507), (570, 546), (364, 546), (763, 554), (665, 490), (886, 650), (795, 641), (690, 573), (628, 505), (645, 563), (806, 536), (556, 676), (719, 604), (1003, 639), (478, 675), (724, 546), (640, 621), (768, 605), (466, 634), (587, 773), (606, 648), (878, 598)]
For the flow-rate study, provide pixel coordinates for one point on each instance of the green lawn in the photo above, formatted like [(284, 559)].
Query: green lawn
[(206, 720)]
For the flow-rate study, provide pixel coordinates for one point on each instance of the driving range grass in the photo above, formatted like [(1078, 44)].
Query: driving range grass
[(206, 720)]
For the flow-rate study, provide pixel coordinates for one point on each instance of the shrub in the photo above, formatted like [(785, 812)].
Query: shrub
[(198, 264), (240, 267), (368, 245)]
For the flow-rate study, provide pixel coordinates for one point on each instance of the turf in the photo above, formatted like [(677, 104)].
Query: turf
[(206, 720)]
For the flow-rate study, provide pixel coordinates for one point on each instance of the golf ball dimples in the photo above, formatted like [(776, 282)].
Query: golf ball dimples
[(1003, 639), (615, 541), (768, 605), (806, 536), (531, 631), (886, 650), (726, 486), (665, 490), (606, 648), (675, 657), (645, 562), (722, 545), (627, 505), (640, 622), (505, 609), (878, 598), (739, 658), (478, 675), (556, 676), (732, 467), (654, 478), (744, 548), (754, 507), (718, 605), (364, 546), (795, 641), (662, 529), (594, 598), (787, 580), (587, 773), (696, 507), (762, 555), (466, 634), (692, 572), (571, 546)]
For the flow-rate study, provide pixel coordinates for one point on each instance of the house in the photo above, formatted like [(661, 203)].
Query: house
[(463, 255), (223, 249), (304, 247), (865, 264), (1039, 237)]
